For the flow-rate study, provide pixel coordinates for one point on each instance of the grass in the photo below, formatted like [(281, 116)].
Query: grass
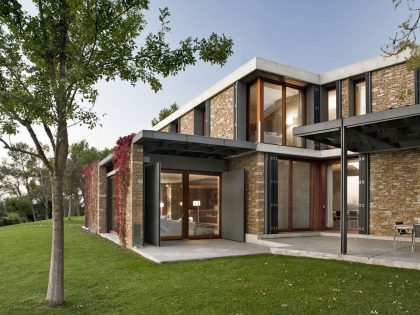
[(102, 278)]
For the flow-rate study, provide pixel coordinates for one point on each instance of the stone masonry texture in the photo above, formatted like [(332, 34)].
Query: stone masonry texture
[(344, 98), (165, 129), (392, 87), (134, 211), (254, 190), (102, 200), (221, 115), (91, 201), (187, 123), (394, 189)]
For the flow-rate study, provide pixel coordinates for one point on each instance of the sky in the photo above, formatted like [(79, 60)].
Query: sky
[(312, 35)]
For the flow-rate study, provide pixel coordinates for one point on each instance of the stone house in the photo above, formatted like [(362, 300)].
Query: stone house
[(257, 154)]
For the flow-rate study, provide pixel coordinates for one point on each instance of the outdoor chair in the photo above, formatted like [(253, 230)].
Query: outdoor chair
[(416, 233)]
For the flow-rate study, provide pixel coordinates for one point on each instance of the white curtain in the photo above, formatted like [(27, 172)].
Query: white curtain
[(330, 221)]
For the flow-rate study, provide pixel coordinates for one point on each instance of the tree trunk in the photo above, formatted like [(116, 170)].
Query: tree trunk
[(69, 210), (78, 206), (33, 210), (46, 207), (55, 293)]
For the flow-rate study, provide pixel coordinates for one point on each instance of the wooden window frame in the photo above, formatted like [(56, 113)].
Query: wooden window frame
[(260, 109)]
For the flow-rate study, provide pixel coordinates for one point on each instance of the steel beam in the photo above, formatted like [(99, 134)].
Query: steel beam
[(343, 223)]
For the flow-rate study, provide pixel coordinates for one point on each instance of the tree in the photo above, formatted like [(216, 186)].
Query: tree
[(405, 38), (18, 175), (165, 112), (80, 154), (50, 64)]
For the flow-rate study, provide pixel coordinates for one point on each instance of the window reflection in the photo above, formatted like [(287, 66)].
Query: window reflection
[(294, 115), (272, 113), (332, 104)]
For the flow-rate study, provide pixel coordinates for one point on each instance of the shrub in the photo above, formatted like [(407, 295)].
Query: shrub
[(10, 219)]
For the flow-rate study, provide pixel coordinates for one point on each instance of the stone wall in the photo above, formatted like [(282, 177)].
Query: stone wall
[(102, 200), (392, 87), (394, 189), (221, 115), (344, 98), (187, 123), (134, 211), (165, 129), (91, 200), (254, 190)]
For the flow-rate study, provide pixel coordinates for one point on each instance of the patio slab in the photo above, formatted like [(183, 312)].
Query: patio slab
[(368, 251), (173, 251)]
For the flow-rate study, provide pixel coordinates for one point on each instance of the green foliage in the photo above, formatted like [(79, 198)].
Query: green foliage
[(165, 112), (51, 62), (18, 205), (10, 219), (405, 38)]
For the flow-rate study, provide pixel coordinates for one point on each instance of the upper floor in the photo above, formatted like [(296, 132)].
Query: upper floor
[(263, 101)]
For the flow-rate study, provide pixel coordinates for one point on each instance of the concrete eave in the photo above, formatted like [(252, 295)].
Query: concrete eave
[(301, 152), (106, 160)]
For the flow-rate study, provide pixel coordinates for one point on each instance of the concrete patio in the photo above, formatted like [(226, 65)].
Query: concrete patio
[(361, 250), (173, 251)]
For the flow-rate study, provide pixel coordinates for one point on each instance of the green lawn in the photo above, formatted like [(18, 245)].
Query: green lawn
[(102, 278)]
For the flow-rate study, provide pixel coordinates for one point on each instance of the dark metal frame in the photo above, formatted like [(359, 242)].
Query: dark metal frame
[(185, 201)]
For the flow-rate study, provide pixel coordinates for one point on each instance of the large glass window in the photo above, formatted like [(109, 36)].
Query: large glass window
[(203, 205), (277, 109), (171, 194), (252, 113), (332, 104), (334, 195), (360, 97), (272, 113), (294, 183), (294, 115)]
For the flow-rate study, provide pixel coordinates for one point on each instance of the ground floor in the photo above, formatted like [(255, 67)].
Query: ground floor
[(191, 187)]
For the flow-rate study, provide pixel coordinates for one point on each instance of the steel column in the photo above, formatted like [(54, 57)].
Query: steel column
[(343, 223)]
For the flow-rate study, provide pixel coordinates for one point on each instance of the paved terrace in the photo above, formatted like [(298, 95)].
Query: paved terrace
[(310, 244), (362, 250)]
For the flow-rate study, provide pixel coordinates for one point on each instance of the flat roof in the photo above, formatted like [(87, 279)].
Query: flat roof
[(156, 142), (276, 68), (389, 130)]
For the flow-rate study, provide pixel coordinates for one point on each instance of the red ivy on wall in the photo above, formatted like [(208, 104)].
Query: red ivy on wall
[(90, 175), (120, 158)]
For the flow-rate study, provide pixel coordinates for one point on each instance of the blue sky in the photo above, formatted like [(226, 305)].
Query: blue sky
[(313, 35)]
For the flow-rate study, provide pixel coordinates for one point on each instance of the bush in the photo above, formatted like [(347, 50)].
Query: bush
[(10, 219)]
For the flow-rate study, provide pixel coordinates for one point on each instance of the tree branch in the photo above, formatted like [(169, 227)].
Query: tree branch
[(50, 135), (11, 147)]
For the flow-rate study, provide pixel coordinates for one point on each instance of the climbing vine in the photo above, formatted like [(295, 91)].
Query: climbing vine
[(90, 194), (120, 159)]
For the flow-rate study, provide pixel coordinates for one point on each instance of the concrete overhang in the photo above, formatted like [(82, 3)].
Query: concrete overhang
[(156, 142), (389, 130)]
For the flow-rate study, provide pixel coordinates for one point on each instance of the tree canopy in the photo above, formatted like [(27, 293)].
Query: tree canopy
[(165, 112)]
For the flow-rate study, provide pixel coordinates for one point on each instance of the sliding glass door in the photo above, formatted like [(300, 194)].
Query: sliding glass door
[(294, 195), (333, 195), (189, 205), (171, 205)]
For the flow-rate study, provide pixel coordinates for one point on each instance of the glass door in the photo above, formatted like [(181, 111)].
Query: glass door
[(189, 205), (171, 205), (203, 206), (294, 195)]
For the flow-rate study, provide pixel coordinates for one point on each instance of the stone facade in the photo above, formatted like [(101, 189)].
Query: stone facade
[(187, 123), (345, 98), (392, 87), (165, 129), (221, 115), (394, 189), (91, 200), (254, 190), (134, 211), (102, 200)]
